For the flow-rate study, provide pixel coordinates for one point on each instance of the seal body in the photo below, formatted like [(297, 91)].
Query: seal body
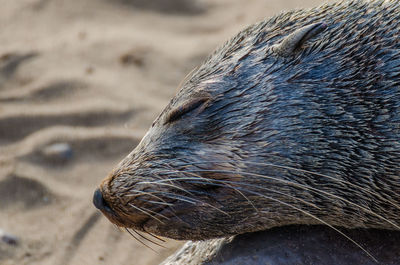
[(289, 245), (262, 135)]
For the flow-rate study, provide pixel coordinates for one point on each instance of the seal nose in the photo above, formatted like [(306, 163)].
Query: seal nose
[(99, 201)]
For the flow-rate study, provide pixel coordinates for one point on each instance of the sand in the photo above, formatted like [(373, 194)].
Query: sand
[(80, 83)]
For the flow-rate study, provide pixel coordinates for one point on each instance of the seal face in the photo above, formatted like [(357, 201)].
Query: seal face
[(296, 120)]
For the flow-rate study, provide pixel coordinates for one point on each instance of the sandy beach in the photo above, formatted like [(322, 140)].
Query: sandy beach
[(80, 83)]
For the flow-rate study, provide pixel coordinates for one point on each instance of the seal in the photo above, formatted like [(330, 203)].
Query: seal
[(295, 120), (288, 245)]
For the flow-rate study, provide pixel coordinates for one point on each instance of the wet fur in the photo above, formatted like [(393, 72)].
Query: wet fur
[(307, 139)]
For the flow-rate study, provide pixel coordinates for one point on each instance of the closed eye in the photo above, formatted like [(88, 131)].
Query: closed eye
[(189, 106)]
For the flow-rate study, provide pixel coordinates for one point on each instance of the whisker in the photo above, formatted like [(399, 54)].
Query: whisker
[(314, 217), (192, 201), (140, 240), (165, 184), (317, 191), (327, 224), (263, 188), (156, 202), (159, 214), (242, 183), (142, 236), (145, 212), (187, 199), (245, 197), (156, 237), (162, 202), (142, 192), (298, 170), (178, 197)]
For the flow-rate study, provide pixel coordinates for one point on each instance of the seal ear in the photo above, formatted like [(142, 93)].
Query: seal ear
[(290, 43)]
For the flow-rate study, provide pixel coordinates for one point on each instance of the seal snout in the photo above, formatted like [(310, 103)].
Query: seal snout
[(99, 201)]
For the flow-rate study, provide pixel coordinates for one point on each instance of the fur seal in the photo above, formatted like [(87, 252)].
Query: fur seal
[(295, 120)]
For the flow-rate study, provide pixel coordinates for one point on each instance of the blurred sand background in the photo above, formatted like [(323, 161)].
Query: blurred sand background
[(80, 83)]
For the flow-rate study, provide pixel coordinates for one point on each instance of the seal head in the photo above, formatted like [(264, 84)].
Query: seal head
[(293, 121)]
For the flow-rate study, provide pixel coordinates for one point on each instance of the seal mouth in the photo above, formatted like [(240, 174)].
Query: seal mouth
[(136, 221), (156, 207)]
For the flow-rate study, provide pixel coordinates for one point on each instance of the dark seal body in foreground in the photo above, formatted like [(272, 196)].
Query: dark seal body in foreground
[(296, 120), (294, 245)]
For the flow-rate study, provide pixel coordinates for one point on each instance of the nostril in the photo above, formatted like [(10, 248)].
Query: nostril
[(98, 200)]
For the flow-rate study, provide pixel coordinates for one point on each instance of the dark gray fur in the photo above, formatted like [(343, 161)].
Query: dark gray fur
[(293, 245), (314, 137)]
